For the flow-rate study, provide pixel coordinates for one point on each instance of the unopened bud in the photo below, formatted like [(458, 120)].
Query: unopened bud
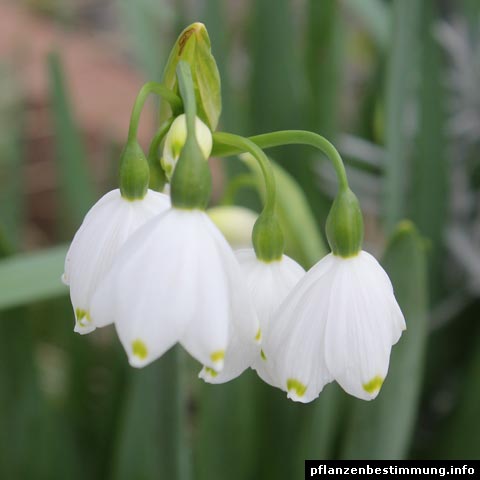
[(175, 141)]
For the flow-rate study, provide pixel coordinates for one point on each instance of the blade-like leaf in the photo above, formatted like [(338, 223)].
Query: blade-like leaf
[(461, 438), (324, 51), (33, 443), (404, 45), (382, 429), (11, 159), (74, 179), (227, 423), (152, 437), (32, 276), (375, 15), (430, 166)]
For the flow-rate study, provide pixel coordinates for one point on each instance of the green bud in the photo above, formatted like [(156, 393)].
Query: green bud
[(191, 182), (345, 225), (175, 140), (134, 172), (193, 46), (267, 238)]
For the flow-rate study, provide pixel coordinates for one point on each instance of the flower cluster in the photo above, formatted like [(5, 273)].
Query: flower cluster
[(157, 267)]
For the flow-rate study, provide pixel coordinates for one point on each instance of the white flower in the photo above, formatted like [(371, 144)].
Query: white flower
[(176, 138), (339, 323), (104, 230), (269, 284), (177, 280)]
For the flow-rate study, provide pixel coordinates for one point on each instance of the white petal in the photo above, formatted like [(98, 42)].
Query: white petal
[(104, 230), (362, 325), (206, 337), (169, 284), (269, 284), (295, 342), (150, 288), (243, 346)]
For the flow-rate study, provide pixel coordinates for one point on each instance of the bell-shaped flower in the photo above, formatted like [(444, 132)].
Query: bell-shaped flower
[(177, 280), (106, 227), (269, 283), (339, 323), (176, 138)]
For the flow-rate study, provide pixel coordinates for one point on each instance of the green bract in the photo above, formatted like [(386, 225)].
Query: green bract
[(345, 225), (134, 172), (193, 46)]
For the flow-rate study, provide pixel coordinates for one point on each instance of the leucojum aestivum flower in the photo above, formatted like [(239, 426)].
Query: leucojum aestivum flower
[(157, 267)]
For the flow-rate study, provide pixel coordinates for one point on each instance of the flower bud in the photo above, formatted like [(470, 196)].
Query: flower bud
[(175, 140), (345, 225), (134, 172), (193, 46)]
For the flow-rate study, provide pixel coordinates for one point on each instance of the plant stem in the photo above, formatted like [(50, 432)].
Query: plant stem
[(187, 91), (240, 144), (158, 138), (285, 137), (151, 87)]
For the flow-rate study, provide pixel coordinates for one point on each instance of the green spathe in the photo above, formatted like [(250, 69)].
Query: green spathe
[(267, 237), (134, 172), (193, 46), (345, 225)]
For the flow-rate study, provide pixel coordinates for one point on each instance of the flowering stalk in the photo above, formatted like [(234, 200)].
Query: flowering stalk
[(286, 137), (159, 89), (267, 238), (191, 182), (157, 175)]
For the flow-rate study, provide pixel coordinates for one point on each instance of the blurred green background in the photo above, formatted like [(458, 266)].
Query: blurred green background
[(394, 84)]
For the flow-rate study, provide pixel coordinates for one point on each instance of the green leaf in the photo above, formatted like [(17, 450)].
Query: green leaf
[(29, 277), (375, 15), (152, 439), (277, 89), (400, 72), (144, 22), (324, 55), (74, 179), (383, 428), (461, 438), (34, 443), (321, 424), (11, 159), (227, 430), (274, 89), (429, 170)]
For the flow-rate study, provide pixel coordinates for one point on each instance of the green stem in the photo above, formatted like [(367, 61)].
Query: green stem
[(286, 137), (151, 87), (157, 175), (187, 91), (240, 144), (158, 138)]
